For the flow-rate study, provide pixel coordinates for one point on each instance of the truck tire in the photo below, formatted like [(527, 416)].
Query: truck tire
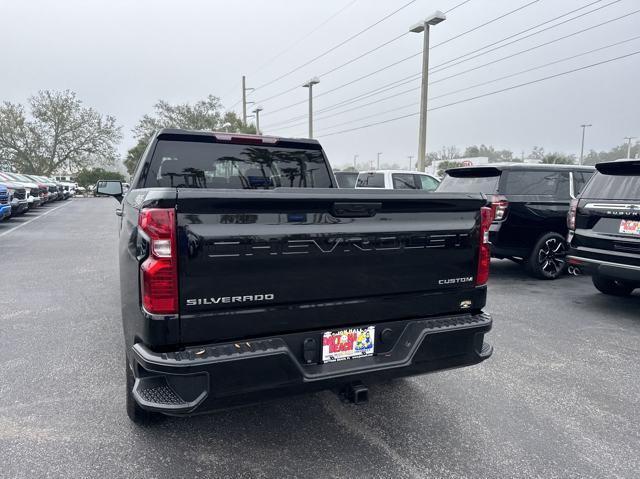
[(548, 257), (612, 286), (134, 411)]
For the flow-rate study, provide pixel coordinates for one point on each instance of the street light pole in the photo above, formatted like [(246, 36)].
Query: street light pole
[(257, 112), (355, 159), (244, 99), (410, 162), (379, 153), (309, 85), (584, 127), (420, 27), (629, 138)]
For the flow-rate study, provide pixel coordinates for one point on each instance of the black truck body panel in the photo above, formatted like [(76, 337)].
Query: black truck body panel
[(264, 273)]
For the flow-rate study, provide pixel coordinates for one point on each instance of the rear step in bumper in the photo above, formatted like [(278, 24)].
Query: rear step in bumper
[(209, 377)]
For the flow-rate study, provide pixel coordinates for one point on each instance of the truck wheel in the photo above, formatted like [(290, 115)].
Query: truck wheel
[(134, 411), (548, 257), (612, 286)]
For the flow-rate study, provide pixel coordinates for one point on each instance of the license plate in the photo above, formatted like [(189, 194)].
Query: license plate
[(630, 227), (347, 344)]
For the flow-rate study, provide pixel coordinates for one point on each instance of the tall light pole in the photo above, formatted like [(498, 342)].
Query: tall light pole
[(244, 99), (410, 162), (629, 138), (379, 153), (423, 26), (257, 112), (355, 159), (584, 127), (309, 85)]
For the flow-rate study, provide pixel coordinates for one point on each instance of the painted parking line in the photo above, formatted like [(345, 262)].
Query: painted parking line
[(32, 219)]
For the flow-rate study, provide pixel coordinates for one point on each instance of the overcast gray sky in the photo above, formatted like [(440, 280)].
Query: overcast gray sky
[(121, 56)]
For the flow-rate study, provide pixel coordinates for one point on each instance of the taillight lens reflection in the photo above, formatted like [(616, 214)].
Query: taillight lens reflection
[(484, 250), (499, 206)]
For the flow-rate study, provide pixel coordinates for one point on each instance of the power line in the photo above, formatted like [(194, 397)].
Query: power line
[(294, 44), (513, 87), (522, 7), (437, 68), (304, 37), (444, 66), (456, 6), (355, 99), (535, 47), (488, 82), (338, 67), (527, 30), (500, 17), (538, 67), (335, 47)]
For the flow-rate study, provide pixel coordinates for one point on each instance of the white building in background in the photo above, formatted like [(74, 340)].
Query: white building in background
[(433, 168)]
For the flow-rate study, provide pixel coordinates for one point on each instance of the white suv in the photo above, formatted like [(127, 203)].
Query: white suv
[(397, 180)]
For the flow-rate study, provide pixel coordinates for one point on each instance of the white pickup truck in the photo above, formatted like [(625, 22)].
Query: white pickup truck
[(397, 180)]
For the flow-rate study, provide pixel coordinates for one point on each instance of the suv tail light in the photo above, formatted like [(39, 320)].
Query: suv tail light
[(499, 205), (159, 272), (571, 216), (484, 251)]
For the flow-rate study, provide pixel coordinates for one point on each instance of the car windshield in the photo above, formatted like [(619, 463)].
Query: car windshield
[(190, 164)]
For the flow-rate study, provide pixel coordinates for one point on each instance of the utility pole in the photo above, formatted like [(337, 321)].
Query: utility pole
[(379, 153), (244, 99), (584, 127), (629, 138), (410, 162), (420, 27), (257, 112), (309, 85), (355, 159)]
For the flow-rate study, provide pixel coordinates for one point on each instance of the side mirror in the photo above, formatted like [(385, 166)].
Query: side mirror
[(110, 188)]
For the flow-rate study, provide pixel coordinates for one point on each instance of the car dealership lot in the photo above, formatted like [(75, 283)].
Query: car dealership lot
[(559, 397)]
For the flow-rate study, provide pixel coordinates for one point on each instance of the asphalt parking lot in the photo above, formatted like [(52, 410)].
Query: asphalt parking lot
[(559, 398)]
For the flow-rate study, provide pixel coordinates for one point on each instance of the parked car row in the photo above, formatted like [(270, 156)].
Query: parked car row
[(21, 192)]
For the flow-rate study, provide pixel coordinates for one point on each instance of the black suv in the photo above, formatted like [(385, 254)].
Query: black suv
[(530, 203), (604, 228)]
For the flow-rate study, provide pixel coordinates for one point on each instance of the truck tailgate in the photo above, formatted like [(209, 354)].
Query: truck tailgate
[(266, 261)]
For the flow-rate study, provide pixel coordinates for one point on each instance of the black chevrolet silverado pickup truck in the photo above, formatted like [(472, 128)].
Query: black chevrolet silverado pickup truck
[(246, 273)]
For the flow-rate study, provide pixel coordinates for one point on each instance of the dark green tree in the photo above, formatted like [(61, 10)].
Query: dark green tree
[(558, 159), (207, 114), (89, 177), (488, 151), (58, 134)]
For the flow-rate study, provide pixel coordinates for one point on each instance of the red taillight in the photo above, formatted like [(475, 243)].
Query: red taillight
[(571, 216), (499, 205), (159, 272), (484, 251)]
